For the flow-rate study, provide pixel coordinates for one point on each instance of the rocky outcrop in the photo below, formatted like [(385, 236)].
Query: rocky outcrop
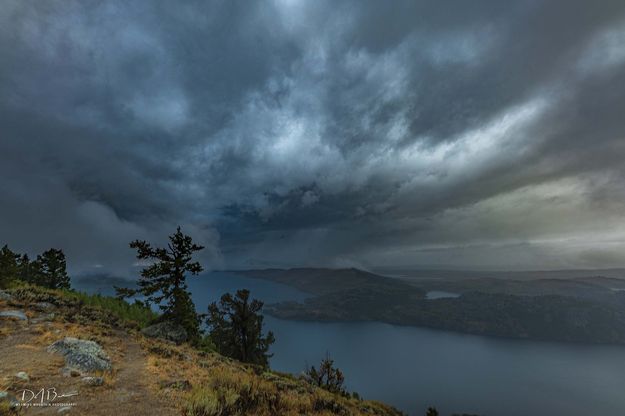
[(14, 315), (168, 330), (82, 355)]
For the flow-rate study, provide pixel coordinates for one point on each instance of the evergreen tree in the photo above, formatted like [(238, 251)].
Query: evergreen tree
[(25, 269), (8, 266), (327, 376), (164, 281), (236, 328), (50, 270)]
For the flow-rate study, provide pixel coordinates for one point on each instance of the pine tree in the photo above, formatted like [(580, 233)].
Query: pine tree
[(25, 269), (236, 328), (327, 376), (8, 266), (50, 270), (164, 281)]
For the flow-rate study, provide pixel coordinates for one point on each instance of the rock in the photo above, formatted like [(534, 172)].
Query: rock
[(82, 355), (168, 330), (43, 306), (22, 376), (5, 396), (5, 296), (70, 372), (43, 318), (14, 315), (93, 381)]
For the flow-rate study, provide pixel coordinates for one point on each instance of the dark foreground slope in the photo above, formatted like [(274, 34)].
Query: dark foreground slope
[(353, 295), (148, 376)]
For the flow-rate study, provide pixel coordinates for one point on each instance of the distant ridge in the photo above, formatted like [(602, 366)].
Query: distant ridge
[(569, 306), (416, 273)]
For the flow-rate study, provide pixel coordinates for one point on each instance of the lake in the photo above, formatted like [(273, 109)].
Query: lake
[(413, 368)]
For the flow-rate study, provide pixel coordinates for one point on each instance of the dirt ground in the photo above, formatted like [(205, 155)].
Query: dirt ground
[(126, 390)]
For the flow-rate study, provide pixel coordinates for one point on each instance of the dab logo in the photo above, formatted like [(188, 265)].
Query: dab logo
[(43, 397)]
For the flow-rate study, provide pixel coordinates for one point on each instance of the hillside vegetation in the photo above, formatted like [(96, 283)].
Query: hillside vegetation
[(121, 357), (181, 379)]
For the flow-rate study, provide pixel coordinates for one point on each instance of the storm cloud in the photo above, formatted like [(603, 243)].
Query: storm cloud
[(362, 133)]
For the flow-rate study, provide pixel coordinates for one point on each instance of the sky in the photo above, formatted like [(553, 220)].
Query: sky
[(449, 134)]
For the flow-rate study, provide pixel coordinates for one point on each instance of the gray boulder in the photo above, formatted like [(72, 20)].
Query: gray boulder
[(168, 330), (14, 315), (5, 296), (93, 381), (82, 355), (23, 376)]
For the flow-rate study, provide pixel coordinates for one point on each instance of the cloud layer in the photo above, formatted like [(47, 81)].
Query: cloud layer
[(462, 134)]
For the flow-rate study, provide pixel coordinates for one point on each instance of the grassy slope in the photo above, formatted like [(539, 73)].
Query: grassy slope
[(75, 303), (194, 382)]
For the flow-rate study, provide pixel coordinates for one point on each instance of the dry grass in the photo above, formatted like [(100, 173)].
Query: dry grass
[(220, 386), (4, 331), (194, 383), (84, 308), (101, 335), (123, 390)]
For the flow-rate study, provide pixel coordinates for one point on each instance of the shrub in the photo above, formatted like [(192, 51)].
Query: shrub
[(327, 376), (233, 393), (130, 312), (206, 344)]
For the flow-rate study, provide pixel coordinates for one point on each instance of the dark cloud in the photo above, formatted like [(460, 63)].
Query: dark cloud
[(287, 132)]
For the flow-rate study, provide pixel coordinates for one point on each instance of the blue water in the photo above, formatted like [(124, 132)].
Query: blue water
[(413, 368)]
